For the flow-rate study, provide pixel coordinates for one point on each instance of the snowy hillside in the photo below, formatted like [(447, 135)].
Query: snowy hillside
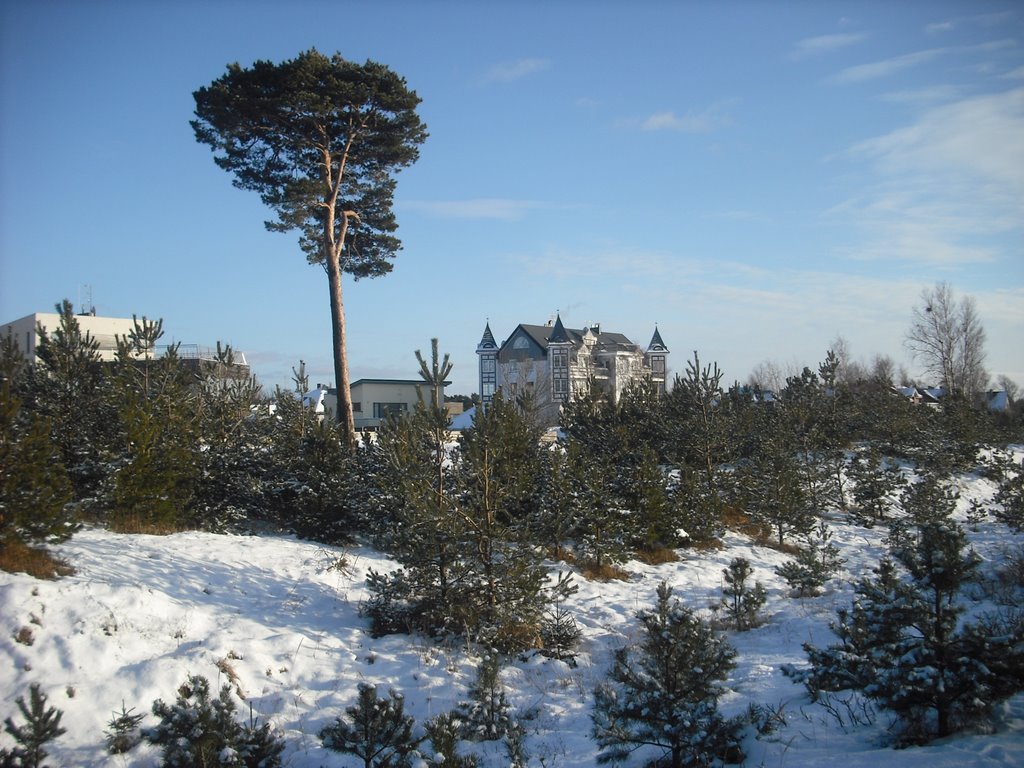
[(278, 619)]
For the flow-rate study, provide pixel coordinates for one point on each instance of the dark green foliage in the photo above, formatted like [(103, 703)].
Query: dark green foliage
[(814, 564), (1011, 497), (42, 725), (876, 481), (376, 730), (34, 488), (771, 490), (198, 731), (155, 479), (663, 693), (560, 634), (486, 716), (699, 418), (123, 732), (696, 511), (444, 732), (742, 601), (903, 643), (68, 389)]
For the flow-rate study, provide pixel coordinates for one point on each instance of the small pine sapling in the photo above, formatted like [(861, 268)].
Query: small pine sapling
[(41, 727), (813, 565), (663, 692), (200, 731), (377, 730), (742, 601), (123, 734), (486, 715), (443, 732), (560, 634)]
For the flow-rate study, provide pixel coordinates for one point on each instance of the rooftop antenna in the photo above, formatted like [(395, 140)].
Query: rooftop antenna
[(85, 300)]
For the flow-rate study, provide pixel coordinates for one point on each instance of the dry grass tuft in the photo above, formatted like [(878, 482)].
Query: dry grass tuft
[(593, 572), (657, 556), (18, 557)]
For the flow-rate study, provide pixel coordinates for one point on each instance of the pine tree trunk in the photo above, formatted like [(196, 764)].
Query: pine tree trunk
[(344, 398)]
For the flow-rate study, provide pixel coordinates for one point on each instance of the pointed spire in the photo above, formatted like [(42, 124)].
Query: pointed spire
[(487, 342), (558, 334), (656, 345)]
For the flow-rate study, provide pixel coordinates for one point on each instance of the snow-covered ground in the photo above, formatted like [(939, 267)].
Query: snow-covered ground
[(278, 619)]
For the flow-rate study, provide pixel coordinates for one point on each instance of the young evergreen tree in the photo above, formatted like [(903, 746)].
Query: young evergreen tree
[(499, 463), (444, 732), (773, 494), (154, 484), (742, 600), (376, 730), (699, 421), (42, 725), (904, 643), (663, 693), (601, 532), (814, 564), (875, 482), (34, 488), (69, 390), (199, 731), (486, 716)]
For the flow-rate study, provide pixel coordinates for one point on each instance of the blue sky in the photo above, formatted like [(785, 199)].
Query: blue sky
[(755, 178)]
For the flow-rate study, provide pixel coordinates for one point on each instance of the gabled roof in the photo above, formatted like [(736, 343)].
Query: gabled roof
[(545, 334)]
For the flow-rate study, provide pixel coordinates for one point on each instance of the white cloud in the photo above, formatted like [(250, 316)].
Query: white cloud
[(931, 95), (949, 188), (704, 121), (822, 44), (1014, 74), (501, 209), (509, 71), (886, 67), (940, 26)]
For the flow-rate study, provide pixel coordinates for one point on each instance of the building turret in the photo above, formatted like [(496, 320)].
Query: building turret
[(487, 349), (559, 350), (655, 358)]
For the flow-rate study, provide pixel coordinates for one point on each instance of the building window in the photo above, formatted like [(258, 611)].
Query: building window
[(561, 386), (382, 410), (357, 407), (560, 359), (488, 389), (521, 342), (488, 365), (658, 364)]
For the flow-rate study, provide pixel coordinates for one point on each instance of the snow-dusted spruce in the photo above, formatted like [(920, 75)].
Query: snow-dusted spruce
[(814, 564), (486, 715), (377, 730), (875, 481), (42, 725), (903, 643), (742, 600), (444, 732), (1011, 496), (123, 734), (198, 731), (663, 693)]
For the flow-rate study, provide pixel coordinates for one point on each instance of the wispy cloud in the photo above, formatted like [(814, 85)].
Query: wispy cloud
[(704, 121), (1014, 74), (924, 97), (509, 71), (949, 187), (497, 208), (886, 67), (939, 27), (813, 46)]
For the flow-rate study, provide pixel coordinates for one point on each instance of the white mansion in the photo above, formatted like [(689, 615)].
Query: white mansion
[(554, 362)]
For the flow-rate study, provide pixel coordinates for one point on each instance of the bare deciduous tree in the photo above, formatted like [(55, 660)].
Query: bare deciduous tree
[(947, 338)]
